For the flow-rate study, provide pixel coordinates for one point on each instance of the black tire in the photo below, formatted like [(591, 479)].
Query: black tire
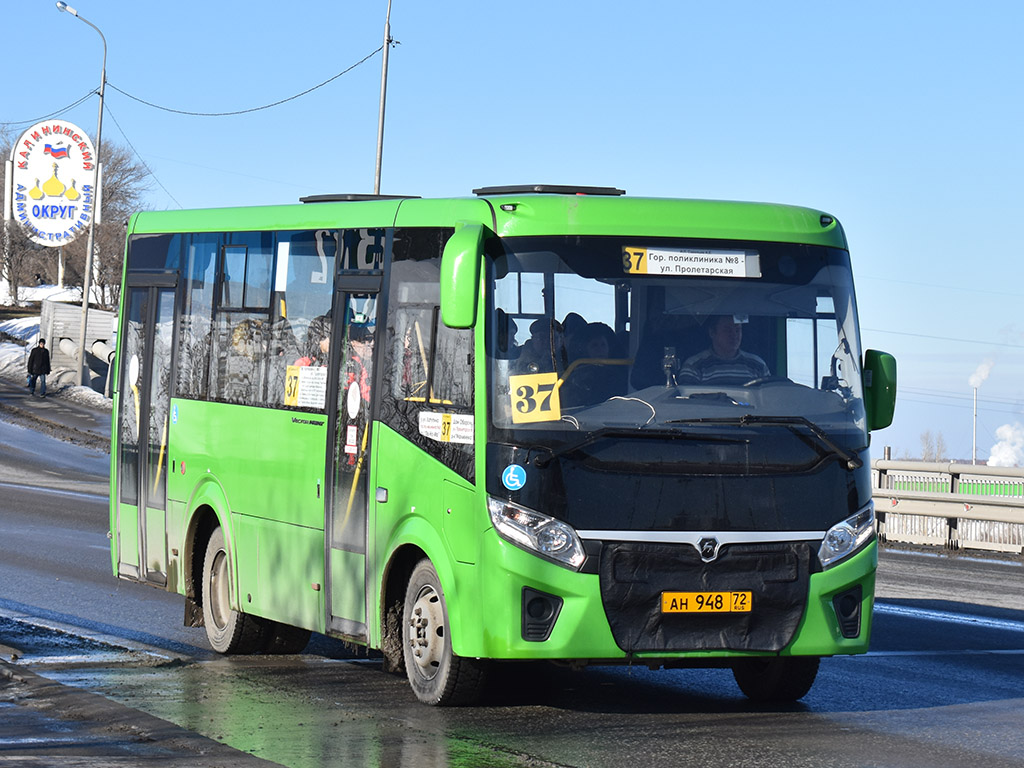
[(776, 679), (285, 639), (228, 630), (437, 676)]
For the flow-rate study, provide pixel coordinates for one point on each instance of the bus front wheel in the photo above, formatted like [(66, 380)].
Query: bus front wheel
[(436, 674), (228, 630), (780, 678)]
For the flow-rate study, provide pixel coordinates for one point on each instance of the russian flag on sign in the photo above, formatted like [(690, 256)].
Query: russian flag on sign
[(57, 153)]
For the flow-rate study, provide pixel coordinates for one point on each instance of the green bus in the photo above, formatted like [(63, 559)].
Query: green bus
[(536, 423)]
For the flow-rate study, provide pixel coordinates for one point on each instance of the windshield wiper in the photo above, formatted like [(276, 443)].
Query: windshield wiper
[(792, 422), (600, 434)]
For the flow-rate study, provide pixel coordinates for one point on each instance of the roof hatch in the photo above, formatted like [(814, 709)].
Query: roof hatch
[(352, 198), (547, 189)]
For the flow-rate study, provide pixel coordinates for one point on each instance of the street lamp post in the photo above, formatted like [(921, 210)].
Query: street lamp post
[(87, 277)]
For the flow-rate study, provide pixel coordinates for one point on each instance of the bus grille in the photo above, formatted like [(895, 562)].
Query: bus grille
[(633, 576)]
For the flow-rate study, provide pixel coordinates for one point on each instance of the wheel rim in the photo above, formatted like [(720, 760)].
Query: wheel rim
[(425, 631), (220, 603)]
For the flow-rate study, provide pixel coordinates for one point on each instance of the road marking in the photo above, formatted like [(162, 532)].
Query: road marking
[(949, 616), (1011, 652)]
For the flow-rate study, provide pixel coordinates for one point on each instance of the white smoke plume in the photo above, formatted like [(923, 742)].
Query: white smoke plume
[(979, 376), (1009, 451)]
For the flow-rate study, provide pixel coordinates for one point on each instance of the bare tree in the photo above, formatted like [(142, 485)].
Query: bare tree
[(125, 182), (20, 258), (933, 447), (927, 446)]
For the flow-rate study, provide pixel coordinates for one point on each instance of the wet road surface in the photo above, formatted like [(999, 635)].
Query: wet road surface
[(943, 685)]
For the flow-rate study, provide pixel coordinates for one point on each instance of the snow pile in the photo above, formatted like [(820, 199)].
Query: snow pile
[(24, 328), (86, 396), (14, 356)]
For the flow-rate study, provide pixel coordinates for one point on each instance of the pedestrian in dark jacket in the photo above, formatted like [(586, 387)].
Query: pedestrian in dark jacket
[(38, 367)]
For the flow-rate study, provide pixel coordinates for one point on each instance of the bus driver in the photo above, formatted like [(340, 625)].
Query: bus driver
[(724, 362)]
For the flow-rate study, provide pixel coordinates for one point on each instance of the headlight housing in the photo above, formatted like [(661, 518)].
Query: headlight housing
[(847, 537), (535, 532)]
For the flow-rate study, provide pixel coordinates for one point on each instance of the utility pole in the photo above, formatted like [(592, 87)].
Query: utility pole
[(383, 98)]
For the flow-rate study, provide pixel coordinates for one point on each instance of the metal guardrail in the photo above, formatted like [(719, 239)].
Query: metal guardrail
[(950, 505)]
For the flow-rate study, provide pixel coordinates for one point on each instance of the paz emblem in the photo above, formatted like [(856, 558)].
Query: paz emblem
[(708, 548)]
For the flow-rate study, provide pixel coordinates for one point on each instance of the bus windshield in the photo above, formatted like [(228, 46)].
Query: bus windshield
[(607, 351)]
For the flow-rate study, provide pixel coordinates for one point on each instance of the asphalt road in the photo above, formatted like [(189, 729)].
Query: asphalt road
[(942, 686)]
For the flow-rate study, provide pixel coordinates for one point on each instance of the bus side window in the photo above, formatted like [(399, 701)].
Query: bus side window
[(239, 358), (239, 361), (195, 326), (428, 368)]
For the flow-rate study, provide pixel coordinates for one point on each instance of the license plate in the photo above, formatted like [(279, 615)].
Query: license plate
[(706, 602)]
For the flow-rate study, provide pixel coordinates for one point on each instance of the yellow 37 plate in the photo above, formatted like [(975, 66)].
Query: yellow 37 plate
[(706, 602)]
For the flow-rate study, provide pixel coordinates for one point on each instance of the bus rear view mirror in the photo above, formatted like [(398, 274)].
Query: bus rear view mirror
[(460, 276), (879, 388)]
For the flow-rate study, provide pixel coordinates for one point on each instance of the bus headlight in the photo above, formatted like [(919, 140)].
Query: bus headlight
[(537, 533), (847, 537)]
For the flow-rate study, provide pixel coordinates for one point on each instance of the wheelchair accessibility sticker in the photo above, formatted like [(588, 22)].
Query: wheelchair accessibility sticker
[(514, 477)]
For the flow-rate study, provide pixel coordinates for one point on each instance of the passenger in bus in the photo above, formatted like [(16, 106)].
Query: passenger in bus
[(356, 377), (239, 364), (283, 343), (507, 349), (592, 378), (318, 341), (359, 360), (572, 325), (724, 362), (283, 349), (247, 339), (536, 355)]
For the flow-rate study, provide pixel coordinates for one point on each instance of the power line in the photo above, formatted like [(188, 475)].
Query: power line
[(918, 284), (945, 338), (252, 109), (964, 406), (144, 164), (186, 112), (52, 114), (956, 396)]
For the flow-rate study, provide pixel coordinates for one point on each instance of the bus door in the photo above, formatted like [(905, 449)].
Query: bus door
[(142, 423), (351, 396)]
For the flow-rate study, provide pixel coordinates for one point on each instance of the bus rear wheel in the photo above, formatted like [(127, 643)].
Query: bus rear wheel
[(780, 678), (436, 674), (228, 630)]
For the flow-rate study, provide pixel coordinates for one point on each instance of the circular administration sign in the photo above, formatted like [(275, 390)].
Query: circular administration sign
[(52, 193)]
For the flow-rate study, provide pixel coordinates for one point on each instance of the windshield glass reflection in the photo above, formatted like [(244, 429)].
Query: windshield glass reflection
[(594, 335)]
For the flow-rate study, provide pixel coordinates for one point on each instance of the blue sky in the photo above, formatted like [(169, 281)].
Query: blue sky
[(902, 119)]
